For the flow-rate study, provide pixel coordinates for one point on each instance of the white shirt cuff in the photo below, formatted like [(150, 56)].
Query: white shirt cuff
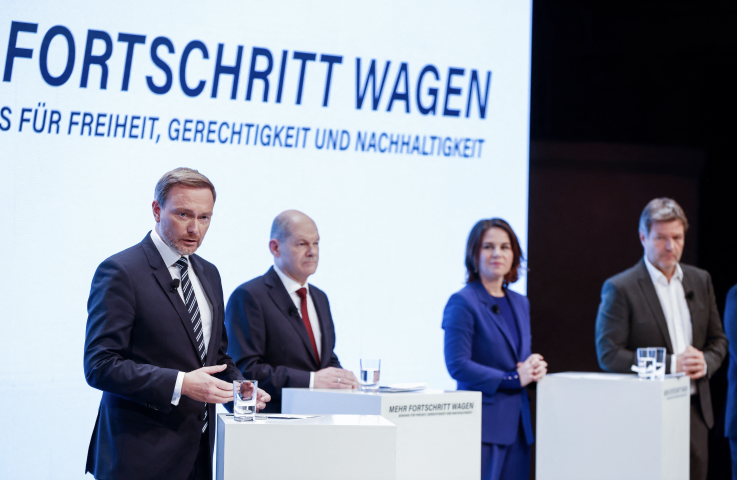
[(177, 389), (673, 363), (312, 379)]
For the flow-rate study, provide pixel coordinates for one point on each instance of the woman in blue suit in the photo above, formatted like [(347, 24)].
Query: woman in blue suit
[(487, 348)]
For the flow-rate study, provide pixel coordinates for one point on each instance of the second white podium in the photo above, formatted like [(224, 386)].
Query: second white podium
[(612, 427), (438, 432)]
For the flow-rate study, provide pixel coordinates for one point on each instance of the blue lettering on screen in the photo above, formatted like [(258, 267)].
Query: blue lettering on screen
[(131, 40), (163, 66), (100, 60), (43, 56), (193, 45), (372, 80)]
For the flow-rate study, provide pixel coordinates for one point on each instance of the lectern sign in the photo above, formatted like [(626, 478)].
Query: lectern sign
[(402, 410)]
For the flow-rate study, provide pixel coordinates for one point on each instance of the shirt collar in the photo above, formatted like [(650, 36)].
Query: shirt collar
[(658, 276), (167, 254), (290, 284)]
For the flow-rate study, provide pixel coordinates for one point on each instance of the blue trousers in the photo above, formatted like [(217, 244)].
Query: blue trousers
[(733, 448), (506, 462)]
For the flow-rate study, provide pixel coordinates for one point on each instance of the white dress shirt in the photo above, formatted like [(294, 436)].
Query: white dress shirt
[(170, 257), (292, 286), (675, 308)]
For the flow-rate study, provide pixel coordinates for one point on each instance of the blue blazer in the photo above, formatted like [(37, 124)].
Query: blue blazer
[(479, 351), (730, 328), (137, 339)]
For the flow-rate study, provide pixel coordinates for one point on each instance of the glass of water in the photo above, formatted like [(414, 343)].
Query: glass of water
[(651, 363), (244, 400), (370, 370)]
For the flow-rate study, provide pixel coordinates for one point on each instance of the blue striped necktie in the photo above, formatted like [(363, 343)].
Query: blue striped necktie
[(190, 303)]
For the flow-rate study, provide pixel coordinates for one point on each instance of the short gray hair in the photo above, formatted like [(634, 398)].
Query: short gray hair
[(661, 210), (280, 228), (189, 177)]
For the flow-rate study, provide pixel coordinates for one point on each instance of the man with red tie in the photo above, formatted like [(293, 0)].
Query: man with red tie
[(280, 330)]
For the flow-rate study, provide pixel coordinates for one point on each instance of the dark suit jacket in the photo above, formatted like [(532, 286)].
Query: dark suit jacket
[(137, 341), (630, 317), (479, 351), (268, 340), (730, 327)]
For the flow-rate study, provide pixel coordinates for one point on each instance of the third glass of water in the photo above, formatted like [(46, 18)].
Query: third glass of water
[(370, 370)]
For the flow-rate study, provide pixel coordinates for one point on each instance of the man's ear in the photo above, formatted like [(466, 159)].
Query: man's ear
[(643, 237), (274, 247), (156, 210)]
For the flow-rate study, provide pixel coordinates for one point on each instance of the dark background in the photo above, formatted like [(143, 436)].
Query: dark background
[(629, 101)]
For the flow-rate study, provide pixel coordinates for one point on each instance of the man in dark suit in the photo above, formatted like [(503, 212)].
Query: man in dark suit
[(156, 342), (281, 330), (662, 303)]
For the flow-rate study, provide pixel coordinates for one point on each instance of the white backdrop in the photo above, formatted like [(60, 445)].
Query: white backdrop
[(393, 225)]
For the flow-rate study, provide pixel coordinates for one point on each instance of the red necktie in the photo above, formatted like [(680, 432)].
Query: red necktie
[(302, 292)]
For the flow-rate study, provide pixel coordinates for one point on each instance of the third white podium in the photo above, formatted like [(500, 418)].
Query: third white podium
[(610, 426), (438, 432)]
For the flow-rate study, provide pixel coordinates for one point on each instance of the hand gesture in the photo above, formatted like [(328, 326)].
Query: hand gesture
[(532, 370), (692, 362), (200, 385), (332, 377), (262, 397)]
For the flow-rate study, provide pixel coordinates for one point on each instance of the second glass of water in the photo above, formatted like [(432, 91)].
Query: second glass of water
[(651, 363), (244, 400), (370, 370)]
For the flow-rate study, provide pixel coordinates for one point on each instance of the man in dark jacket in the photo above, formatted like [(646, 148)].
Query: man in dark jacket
[(281, 330), (662, 303)]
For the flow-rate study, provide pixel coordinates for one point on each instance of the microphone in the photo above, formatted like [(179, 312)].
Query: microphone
[(293, 311), (689, 295), (495, 309), (174, 285)]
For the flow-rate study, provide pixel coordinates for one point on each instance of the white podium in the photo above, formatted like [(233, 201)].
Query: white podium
[(438, 432), (611, 426), (329, 447)]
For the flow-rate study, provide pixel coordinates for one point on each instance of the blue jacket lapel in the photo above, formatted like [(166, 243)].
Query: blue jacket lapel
[(522, 326), (483, 297)]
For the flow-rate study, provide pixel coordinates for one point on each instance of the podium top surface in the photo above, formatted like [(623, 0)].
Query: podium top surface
[(427, 391), (319, 420), (608, 377)]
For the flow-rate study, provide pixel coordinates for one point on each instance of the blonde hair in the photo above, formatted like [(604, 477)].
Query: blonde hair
[(189, 177), (661, 210)]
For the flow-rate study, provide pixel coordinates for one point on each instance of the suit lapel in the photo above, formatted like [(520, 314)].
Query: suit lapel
[(161, 273), (283, 301), (521, 326), (325, 347), (648, 290), (207, 287), (483, 297), (688, 287)]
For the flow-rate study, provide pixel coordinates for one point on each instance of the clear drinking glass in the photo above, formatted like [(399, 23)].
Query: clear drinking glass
[(651, 363), (370, 370), (244, 400)]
